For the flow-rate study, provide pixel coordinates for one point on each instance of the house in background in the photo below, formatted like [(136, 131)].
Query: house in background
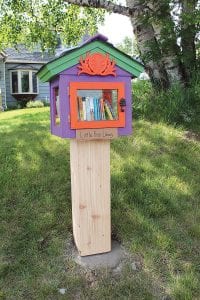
[(18, 79), (18, 74)]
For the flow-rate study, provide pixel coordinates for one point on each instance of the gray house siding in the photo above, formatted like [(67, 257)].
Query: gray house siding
[(19, 59), (2, 81), (43, 88), (43, 91), (11, 101)]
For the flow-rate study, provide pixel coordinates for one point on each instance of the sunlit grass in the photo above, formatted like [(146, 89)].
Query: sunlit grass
[(155, 177)]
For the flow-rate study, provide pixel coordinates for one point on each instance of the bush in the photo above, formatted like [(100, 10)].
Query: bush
[(177, 105), (46, 103), (11, 107), (34, 104)]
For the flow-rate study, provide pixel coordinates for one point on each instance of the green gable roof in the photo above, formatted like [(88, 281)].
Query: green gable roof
[(95, 44)]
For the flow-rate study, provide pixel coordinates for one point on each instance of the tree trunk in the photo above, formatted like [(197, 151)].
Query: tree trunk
[(107, 5), (162, 63), (188, 33), (145, 36), (167, 40)]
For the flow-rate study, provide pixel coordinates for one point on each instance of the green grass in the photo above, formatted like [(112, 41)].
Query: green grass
[(155, 176)]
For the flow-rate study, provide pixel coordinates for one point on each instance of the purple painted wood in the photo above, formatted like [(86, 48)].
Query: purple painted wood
[(67, 132), (74, 71), (98, 36), (55, 128), (70, 75)]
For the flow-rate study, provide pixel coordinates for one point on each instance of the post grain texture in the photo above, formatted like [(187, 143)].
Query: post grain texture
[(90, 185)]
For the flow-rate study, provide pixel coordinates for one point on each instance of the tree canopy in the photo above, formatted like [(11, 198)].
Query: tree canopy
[(128, 46), (40, 22), (167, 31)]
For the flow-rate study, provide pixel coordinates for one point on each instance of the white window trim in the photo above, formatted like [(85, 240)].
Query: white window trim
[(19, 73)]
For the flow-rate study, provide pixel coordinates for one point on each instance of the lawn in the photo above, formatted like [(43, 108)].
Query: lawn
[(155, 179)]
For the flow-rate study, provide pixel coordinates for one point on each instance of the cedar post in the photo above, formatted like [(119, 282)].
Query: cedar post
[(90, 188)]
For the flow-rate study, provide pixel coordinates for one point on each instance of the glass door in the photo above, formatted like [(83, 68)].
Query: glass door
[(96, 105)]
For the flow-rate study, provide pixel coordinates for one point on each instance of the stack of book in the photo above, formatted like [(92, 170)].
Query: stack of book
[(94, 109)]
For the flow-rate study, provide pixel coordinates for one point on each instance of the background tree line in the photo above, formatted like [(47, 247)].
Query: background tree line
[(166, 31)]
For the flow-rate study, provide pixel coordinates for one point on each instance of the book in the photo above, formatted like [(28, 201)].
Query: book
[(102, 109), (94, 109), (108, 112), (98, 110), (111, 109), (84, 109), (80, 108), (87, 107), (95, 101), (91, 108)]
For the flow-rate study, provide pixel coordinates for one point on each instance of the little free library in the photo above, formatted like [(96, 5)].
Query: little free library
[(90, 102)]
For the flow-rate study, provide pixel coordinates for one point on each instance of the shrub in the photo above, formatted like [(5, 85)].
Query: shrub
[(11, 107), (46, 103), (34, 104), (177, 105)]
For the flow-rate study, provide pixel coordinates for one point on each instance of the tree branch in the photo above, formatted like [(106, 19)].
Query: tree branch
[(107, 5)]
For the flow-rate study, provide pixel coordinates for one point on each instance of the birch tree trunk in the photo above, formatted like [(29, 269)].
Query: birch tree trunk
[(167, 40), (146, 40), (107, 5), (144, 33), (188, 33), (162, 60)]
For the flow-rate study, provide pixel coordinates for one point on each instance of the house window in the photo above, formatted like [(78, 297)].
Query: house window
[(14, 82), (24, 82), (34, 83)]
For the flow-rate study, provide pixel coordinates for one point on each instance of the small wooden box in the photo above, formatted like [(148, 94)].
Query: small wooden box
[(95, 70)]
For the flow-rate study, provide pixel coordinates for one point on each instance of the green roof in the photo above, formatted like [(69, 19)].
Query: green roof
[(95, 44)]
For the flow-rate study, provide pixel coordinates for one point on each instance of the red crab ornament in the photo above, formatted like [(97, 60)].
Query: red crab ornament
[(97, 64)]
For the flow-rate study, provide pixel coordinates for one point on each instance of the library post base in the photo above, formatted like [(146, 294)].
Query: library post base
[(90, 188)]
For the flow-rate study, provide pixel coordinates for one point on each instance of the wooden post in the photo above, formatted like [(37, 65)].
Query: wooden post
[(90, 186)]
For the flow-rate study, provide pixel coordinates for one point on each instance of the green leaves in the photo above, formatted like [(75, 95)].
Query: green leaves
[(41, 21), (129, 46)]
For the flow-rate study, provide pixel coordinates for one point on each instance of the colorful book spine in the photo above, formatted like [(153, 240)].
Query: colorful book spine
[(95, 108), (102, 109), (98, 110), (80, 108), (84, 109), (108, 112), (87, 104), (110, 108), (91, 109)]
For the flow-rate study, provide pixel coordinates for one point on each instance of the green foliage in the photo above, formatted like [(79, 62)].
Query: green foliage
[(155, 198), (46, 103), (177, 105), (40, 22), (34, 104), (129, 46)]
